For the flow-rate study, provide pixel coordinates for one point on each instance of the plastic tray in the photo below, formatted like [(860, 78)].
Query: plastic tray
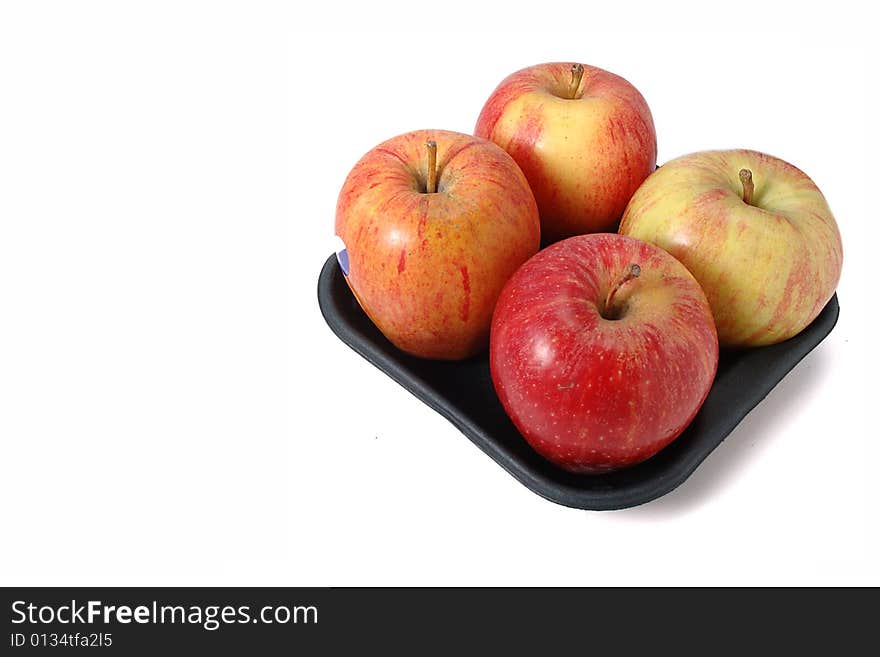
[(463, 393)]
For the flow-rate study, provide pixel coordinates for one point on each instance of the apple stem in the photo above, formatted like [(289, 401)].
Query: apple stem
[(633, 271), (432, 166), (577, 73), (745, 177)]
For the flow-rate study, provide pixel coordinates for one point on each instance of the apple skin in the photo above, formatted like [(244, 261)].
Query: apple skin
[(592, 394), (768, 268), (428, 268), (583, 157)]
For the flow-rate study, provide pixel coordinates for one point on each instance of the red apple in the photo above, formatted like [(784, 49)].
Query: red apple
[(584, 138), (434, 224), (765, 247), (602, 351)]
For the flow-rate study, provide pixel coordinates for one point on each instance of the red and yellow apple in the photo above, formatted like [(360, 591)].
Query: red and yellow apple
[(756, 233), (584, 138), (434, 224), (602, 351)]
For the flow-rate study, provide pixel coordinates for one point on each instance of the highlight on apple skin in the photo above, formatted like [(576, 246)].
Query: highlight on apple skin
[(434, 224), (756, 233), (602, 351), (584, 138)]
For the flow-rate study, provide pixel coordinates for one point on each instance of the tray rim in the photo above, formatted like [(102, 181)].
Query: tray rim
[(553, 491)]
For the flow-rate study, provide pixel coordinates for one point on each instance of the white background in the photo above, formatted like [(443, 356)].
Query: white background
[(173, 409)]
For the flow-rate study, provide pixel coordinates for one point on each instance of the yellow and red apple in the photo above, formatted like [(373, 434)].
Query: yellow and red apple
[(753, 229), (434, 224), (584, 138)]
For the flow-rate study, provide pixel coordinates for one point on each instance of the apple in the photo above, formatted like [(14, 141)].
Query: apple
[(584, 138), (602, 351), (756, 233), (434, 224)]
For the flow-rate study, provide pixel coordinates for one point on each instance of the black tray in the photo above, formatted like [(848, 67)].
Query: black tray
[(462, 392)]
